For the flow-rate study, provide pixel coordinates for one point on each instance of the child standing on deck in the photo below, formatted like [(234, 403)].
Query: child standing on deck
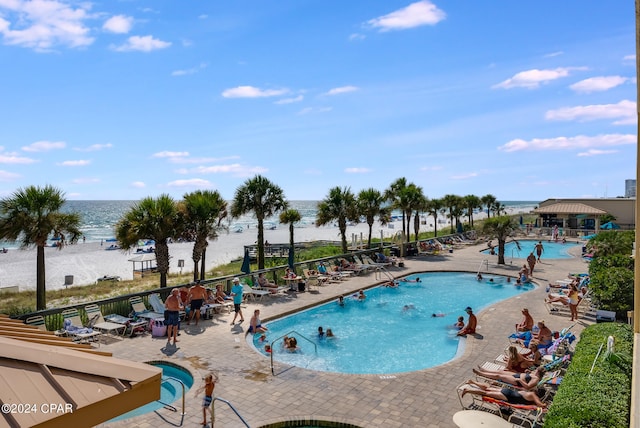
[(209, 384)]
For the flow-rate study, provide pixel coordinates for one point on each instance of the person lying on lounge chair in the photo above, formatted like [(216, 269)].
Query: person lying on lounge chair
[(504, 394), (526, 381), (263, 282)]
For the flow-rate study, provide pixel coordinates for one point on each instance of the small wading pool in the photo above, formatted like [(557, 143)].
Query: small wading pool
[(170, 391), (552, 250), (393, 330)]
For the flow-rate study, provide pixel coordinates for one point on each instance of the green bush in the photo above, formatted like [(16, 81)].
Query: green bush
[(602, 398), (612, 289)]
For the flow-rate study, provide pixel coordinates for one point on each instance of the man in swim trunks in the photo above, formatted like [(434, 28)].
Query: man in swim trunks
[(539, 249), (527, 398), (527, 321), (255, 326), (470, 328), (531, 260), (197, 296), (173, 305)]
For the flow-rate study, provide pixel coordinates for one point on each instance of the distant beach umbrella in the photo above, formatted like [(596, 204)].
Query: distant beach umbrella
[(291, 258), (246, 262), (609, 226)]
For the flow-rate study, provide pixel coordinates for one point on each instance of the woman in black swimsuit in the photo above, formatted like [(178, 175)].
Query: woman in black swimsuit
[(526, 381), (527, 398)]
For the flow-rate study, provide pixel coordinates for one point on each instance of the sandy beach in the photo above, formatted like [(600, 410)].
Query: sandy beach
[(89, 261)]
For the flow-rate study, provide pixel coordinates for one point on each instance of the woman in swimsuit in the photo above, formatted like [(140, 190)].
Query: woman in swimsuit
[(516, 362), (526, 381), (526, 398)]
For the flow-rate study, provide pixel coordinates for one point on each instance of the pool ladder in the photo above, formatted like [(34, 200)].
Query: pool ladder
[(381, 271), (484, 262), (169, 406), (230, 406), (315, 347)]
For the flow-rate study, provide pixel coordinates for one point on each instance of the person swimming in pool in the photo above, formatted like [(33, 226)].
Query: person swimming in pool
[(406, 308), (410, 280), (438, 315), (460, 324)]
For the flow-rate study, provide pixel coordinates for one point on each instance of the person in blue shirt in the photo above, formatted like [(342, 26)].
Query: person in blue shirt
[(236, 292)]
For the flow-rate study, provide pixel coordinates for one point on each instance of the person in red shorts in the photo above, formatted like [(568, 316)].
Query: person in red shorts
[(470, 328)]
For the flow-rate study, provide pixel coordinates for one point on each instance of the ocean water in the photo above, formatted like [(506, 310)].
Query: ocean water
[(99, 218)]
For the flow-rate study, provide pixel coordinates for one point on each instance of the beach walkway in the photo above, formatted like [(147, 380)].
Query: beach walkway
[(424, 398)]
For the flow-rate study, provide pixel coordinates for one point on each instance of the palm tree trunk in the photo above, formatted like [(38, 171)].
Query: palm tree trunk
[(370, 232), (501, 243), (260, 243), (202, 263), (41, 293), (342, 225), (162, 261)]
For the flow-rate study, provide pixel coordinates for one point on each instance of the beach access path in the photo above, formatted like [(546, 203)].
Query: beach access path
[(424, 398)]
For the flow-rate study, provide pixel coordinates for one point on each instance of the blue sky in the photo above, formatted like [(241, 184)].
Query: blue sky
[(525, 100)]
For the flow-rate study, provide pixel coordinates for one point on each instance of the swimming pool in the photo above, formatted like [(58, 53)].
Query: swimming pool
[(171, 389), (379, 335), (552, 250)]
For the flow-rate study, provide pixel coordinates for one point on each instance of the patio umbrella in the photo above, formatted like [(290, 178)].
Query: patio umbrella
[(609, 225), (593, 235), (246, 262), (291, 260)]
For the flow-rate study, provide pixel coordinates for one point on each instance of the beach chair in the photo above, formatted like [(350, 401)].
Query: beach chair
[(39, 322), (252, 293), (74, 328), (97, 322), (158, 305), (140, 309)]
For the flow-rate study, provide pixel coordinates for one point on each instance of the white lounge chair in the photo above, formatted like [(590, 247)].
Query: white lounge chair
[(253, 293), (74, 327), (97, 322)]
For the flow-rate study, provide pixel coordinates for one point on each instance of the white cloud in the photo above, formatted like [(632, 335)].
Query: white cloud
[(252, 92), (431, 168), (141, 44), (94, 147), (631, 57), (569, 143), (595, 152), (203, 16), (309, 110), (533, 78), (13, 159), (192, 182), (44, 24), (79, 162), (44, 146), (119, 24), (138, 184), (87, 180), (342, 90), (553, 54), (188, 71), (8, 176), (415, 15), (356, 36), (600, 83), (624, 112), (190, 160), (167, 154), (464, 176), (290, 100), (356, 170)]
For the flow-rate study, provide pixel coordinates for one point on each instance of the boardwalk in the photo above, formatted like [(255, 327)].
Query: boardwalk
[(424, 398)]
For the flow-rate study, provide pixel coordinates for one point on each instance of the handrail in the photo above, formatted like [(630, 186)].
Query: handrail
[(169, 406), (382, 270), (315, 347), (232, 408), (485, 261)]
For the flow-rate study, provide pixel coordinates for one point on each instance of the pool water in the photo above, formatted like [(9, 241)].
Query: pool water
[(170, 391), (552, 250), (379, 335)]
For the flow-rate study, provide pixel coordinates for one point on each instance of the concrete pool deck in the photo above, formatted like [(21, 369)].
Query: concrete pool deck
[(424, 398)]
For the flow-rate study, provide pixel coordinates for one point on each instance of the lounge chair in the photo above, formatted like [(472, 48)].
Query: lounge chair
[(39, 322), (559, 308), (74, 327), (158, 305), (141, 311), (252, 293), (97, 322)]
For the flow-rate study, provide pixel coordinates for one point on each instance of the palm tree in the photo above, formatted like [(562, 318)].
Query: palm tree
[(420, 206), (341, 205), (488, 200), (371, 205), (501, 228), (433, 207), (264, 199), (29, 216), (393, 195), (471, 202), (204, 212), (451, 202), (290, 217), (158, 219), (498, 209)]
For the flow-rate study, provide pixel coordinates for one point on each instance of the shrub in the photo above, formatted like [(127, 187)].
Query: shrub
[(612, 289), (602, 398)]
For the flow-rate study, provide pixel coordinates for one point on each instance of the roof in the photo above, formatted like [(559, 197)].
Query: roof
[(569, 208), (147, 257), (86, 388)]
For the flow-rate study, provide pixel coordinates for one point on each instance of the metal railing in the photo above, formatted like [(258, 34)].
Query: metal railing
[(232, 408), (169, 406)]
